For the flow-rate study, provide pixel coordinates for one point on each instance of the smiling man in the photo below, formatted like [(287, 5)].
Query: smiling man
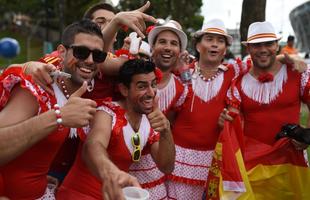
[(270, 96), (120, 132), (34, 124), (195, 130), (167, 42)]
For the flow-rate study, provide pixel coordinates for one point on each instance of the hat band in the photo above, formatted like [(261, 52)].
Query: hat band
[(262, 35), (217, 30)]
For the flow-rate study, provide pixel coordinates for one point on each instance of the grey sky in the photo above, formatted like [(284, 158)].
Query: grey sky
[(277, 12)]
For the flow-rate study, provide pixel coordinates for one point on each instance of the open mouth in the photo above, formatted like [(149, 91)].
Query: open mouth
[(147, 103), (213, 53)]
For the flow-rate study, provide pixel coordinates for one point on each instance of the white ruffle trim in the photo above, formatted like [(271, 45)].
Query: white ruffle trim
[(167, 94), (206, 90), (264, 93)]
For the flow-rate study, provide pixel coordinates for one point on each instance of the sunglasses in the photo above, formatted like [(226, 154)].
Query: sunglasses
[(135, 140), (82, 53)]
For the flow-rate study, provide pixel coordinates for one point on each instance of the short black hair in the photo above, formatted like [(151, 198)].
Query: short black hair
[(133, 67), (290, 38), (82, 26), (99, 6)]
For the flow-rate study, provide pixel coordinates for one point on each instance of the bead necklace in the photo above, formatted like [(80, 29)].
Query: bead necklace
[(208, 79), (64, 89)]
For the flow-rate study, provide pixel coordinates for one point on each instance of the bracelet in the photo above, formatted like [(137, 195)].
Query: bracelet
[(58, 115)]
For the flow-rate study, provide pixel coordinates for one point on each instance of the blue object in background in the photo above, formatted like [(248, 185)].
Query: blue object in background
[(9, 48)]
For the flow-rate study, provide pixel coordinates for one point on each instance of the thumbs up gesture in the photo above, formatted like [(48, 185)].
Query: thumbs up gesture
[(157, 119), (78, 112)]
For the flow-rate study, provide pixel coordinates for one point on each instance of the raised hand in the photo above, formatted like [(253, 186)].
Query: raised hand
[(157, 119), (40, 74), (298, 63), (78, 112), (115, 181), (135, 19), (224, 116)]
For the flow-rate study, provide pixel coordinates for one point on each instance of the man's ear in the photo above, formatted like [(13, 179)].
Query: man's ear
[(198, 46), (62, 50), (124, 90)]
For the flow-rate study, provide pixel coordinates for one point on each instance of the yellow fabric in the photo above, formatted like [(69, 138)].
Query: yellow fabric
[(278, 182), (229, 195)]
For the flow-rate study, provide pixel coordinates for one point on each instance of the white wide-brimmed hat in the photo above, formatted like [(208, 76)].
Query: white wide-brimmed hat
[(214, 26), (173, 26), (145, 48), (261, 32)]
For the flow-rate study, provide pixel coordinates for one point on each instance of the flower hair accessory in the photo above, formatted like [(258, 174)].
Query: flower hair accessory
[(266, 77), (148, 30), (124, 53), (158, 74)]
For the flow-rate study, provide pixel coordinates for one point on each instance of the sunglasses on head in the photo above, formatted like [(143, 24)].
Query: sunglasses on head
[(82, 53), (135, 140)]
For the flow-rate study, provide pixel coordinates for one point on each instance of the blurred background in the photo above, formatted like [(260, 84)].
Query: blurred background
[(36, 25)]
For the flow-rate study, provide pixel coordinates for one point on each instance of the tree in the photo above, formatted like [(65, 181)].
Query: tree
[(252, 11), (188, 14)]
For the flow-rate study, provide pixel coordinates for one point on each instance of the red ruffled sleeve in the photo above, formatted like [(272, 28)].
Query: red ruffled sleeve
[(233, 98), (13, 76)]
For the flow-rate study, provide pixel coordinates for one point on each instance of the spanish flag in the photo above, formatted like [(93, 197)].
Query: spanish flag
[(227, 175), (276, 171)]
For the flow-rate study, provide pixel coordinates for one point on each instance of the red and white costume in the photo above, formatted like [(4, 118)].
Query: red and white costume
[(25, 177), (196, 132), (266, 107), (80, 183), (146, 171)]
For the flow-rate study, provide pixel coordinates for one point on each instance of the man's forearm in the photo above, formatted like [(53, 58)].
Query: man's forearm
[(97, 159), (16, 139), (166, 152)]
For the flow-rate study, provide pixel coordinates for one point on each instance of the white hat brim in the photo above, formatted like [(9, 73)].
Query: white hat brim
[(259, 40), (228, 37), (152, 35)]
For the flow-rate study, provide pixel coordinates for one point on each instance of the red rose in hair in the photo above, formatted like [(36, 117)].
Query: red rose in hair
[(266, 77), (148, 30), (158, 74)]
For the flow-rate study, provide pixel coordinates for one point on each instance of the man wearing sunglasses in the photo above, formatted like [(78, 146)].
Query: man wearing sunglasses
[(34, 124), (120, 132)]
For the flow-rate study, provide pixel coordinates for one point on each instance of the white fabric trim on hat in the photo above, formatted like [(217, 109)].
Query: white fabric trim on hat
[(170, 26), (264, 93)]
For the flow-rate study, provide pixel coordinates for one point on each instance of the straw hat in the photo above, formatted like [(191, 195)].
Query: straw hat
[(214, 26), (261, 32), (173, 26)]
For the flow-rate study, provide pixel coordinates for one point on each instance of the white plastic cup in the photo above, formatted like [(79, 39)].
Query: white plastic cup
[(134, 43), (135, 193)]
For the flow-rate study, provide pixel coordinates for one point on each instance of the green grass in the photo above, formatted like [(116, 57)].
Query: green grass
[(36, 48)]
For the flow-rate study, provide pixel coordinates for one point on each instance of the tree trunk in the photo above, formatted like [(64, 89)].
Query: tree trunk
[(252, 11)]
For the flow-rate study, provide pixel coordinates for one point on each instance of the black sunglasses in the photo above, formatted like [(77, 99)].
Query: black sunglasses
[(82, 53), (135, 140)]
